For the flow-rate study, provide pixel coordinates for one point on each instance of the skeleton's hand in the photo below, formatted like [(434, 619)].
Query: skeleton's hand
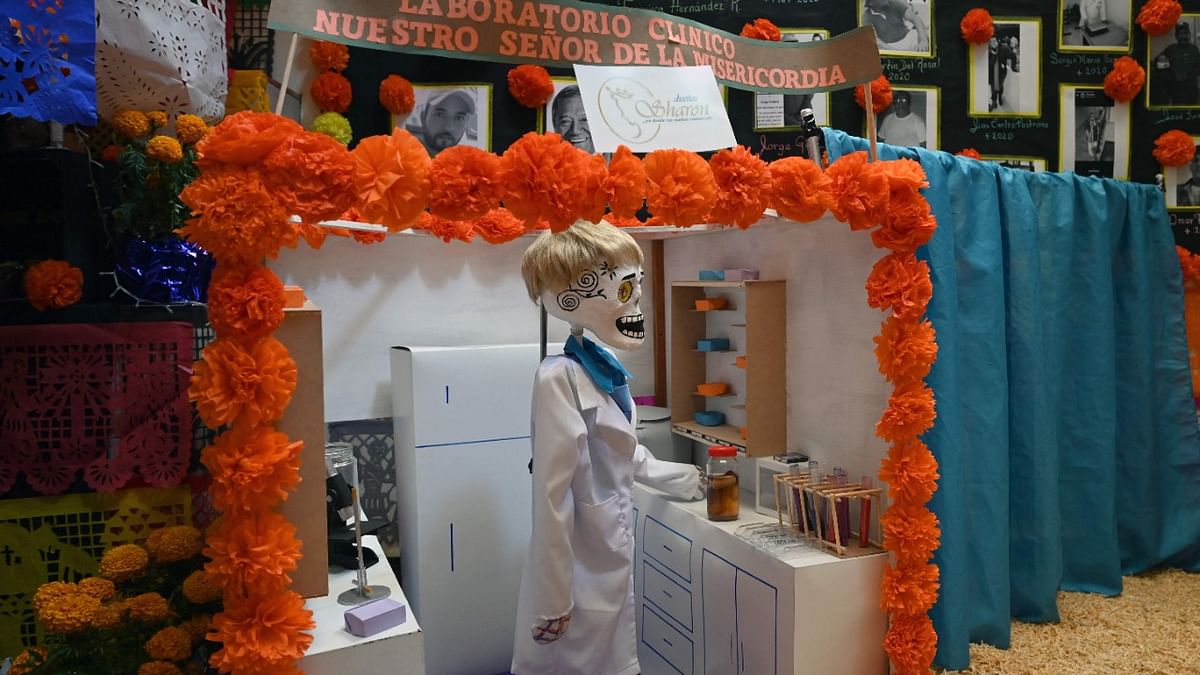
[(551, 629)]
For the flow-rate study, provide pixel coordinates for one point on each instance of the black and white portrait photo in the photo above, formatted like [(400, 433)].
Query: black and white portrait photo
[(444, 116), (565, 116), (1094, 25), (911, 120), (1173, 67), (781, 112), (1006, 72), (902, 27), (1182, 184), (1095, 133)]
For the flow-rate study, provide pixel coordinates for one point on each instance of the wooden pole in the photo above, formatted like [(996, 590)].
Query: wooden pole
[(287, 75), (658, 296)]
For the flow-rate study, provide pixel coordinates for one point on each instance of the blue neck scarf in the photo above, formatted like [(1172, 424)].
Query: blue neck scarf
[(606, 371)]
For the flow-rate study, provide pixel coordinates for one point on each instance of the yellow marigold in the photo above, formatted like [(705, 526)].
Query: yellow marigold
[(147, 607), (181, 542), (52, 591), (197, 627), (159, 668), (199, 590), (131, 123), (169, 644), (190, 128), (165, 149), (124, 562), (107, 617), (67, 613), (157, 118), (27, 660), (98, 587)]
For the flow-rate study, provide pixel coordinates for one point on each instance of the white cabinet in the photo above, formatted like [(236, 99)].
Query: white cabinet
[(756, 604), (718, 579), (740, 622)]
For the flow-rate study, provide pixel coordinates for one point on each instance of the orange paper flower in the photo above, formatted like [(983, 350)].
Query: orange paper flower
[(331, 92), (800, 191), (906, 349), (252, 385), (595, 177), (744, 184), (909, 414), (859, 189), (1158, 17), (53, 284), (909, 589), (910, 472), (393, 179), (262, 635), (970, 152), (1125, 80), (625, 185), (1174, 148), (396, 94), (252, 468), (881, 94), (445, 229), (762, 29), (908, 224), (911, 532), (681, 188), (910, 643), (1190, 263), (244, 138), (254, 552), (977, 26), (498, 226), (901, 282), (312, 175), (545, 178), (237, 218), (616, 221), (327, 55), (530, 85), (245, 302), (464, 183), (169, 644)]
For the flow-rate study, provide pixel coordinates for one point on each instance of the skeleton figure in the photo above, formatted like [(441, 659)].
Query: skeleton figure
[(575, 615)]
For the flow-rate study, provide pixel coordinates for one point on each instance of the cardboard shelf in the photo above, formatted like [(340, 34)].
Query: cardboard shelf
[(711, 284), (726, 434), (709, 311), (725, 395), (738, 406), (713, 351)]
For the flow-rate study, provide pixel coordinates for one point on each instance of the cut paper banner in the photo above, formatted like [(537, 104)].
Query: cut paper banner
[(47, 60)]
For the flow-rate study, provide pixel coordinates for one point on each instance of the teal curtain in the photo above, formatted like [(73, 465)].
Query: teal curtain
[(1066, 431)]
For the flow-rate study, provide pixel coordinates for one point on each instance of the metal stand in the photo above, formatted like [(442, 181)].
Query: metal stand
[(362, 591)]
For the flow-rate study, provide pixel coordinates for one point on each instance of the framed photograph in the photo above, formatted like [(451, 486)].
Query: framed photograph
[(1182, 184), (1006, 73), (781, 112), (912, 118), (1018, 162), (445, 115), (1094, 132), (564, 115), (902, 27), (1173, 66), (1094, 25)]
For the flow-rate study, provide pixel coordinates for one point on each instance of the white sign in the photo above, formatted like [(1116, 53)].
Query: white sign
[(654, 108)]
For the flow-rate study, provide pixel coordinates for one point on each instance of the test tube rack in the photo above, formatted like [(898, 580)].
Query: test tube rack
[(811, 508)]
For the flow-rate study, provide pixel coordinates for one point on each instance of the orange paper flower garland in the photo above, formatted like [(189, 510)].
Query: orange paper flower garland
[(1190, 264), (1158, 17), (885, 198), (1174, 148), (1125, 80), (977, 26)]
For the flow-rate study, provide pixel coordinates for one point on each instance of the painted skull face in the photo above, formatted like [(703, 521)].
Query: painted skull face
[(604, 300)]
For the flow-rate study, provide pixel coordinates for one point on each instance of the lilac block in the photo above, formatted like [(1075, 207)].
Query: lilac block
[(374, 617), (741, 274)]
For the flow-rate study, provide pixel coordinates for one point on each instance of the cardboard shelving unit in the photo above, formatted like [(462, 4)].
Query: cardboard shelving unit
[(761, 337)]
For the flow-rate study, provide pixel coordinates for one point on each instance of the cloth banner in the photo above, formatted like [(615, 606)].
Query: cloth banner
[(562, 33), (47, 60)]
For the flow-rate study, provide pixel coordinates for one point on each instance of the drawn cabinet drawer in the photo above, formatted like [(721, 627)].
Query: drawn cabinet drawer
[(664, 640), (668, 548), (660, 590)]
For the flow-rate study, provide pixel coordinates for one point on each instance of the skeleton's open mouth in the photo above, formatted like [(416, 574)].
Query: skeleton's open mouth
[(632, 326)]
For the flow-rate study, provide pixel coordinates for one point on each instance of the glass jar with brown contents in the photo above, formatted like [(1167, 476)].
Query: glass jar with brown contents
[(722, 493)]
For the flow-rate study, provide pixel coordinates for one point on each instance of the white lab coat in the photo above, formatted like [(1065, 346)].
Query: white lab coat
[(585, 459)]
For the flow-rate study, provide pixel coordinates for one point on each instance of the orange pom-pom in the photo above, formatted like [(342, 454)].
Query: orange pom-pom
[(744, 185), (1125, 80), (910, 643), (977, 26), (1158, 17), (681, 189), (264, 634), (860, 191), (1190, 263), (911, 532), (498, 226), (237, 218), (908, 224), (329, 56), (245, 302), (625, 185), (530, 85), (255, 551), (620, 221), (901, 282), (762, 29), (252, 385), (392, 175), (906, 350), (312, 175), (911, 411), (53, 284), (252, 468), (396, 94), (910, 472), (331, 92), (464, 183), (881, 94), (445, 229), (1174, 148), (800, 191), (545, 178), (970, 152), (909, 589), (244, 138)]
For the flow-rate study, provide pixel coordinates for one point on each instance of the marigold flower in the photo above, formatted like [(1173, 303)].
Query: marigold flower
[(625, 184), (860, 191), (52, 590), (331, 92), (66, 614), (909, 589), (681, 188), (158, 668), (743, 187), (970, 152), (252, 553), (799, 190), (111, 153), (190, 129), (252, 385), (911, 532), (197, 627), (131, 123), (164, 149), (1174, 148), (244, 138), (910, 643), (498, 226), (327, 55), (906, 349), (27, 661), (464, 183), (1158, 17), (397, 95), (98, 587), (199, 590), (901, 282), (169, 644), (312, 176), (977, 26), (53, 284), (148, 608), (252, 468), (178, 543), (445, 229), (1125, 80), (392, 177), (124, 562), (107, 617), (545, 178), (881, 94), (157, 118), (762, 29), (910, 413), (263, 633), (237, 217), (245, 302), (530, 84), (333, 125)]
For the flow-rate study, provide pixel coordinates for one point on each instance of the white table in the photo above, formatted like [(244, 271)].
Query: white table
[(397, 651)]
